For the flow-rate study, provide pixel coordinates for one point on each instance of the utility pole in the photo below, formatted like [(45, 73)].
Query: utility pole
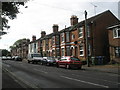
[(86, 39)]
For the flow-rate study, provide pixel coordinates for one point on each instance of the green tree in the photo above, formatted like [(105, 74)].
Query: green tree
[(10, 10), (17, 43), (5, 52)]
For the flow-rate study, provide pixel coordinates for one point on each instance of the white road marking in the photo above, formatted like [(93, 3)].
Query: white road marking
[(96, 79), (40, 71), (85, 82)]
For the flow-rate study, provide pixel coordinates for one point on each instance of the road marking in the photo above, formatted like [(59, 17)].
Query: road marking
[(96, 79), (40, 71), (85, 82)]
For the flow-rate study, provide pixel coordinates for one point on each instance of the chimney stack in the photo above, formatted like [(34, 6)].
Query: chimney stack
[(33, 38), (55, 28), (73, 20), (43, 33)]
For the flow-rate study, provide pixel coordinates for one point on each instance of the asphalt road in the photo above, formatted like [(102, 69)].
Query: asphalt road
[(40, 76)]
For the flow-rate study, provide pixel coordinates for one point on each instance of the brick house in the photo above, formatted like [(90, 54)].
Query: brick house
[(70, 41), (114, 42)]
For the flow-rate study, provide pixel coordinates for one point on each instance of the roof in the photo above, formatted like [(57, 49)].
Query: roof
[(71, 28), (114, 26)]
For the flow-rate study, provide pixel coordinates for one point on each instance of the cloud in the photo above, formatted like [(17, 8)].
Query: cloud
[(42, 14)]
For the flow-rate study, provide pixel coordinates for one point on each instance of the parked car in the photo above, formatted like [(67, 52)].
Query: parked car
[(34, 57), (9, 58), (18, 58), (48, 61), (4, 58), (69, 62)]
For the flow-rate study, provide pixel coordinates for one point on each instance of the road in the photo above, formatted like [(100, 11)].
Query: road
[(40, 76)]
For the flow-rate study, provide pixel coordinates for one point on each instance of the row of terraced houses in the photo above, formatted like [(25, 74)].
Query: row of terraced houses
[(71, 41)]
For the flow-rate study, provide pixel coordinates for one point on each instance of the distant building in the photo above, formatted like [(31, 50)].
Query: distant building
[(21, 49)]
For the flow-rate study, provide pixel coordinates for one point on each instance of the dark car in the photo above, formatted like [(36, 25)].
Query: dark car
[(48, 61), (69, 62), (17, 58)]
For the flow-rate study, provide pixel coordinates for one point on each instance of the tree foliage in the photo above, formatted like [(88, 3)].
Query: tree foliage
[(10, 10), (16, 43), (5, 52)]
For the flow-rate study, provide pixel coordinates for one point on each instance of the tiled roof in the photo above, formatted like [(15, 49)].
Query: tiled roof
[(70, 28)]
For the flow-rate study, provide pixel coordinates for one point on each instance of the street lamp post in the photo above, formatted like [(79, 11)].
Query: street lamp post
[(86, 39)]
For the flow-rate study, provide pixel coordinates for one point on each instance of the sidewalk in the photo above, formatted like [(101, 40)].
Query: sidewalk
[(103, 68)]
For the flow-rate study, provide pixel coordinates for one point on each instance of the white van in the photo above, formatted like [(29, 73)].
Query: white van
[(34, 57)]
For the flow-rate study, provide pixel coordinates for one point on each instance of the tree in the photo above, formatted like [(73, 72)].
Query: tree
[(17, 43), (10, 10), (5, 53)]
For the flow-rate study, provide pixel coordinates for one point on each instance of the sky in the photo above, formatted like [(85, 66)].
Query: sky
[(42, 14)]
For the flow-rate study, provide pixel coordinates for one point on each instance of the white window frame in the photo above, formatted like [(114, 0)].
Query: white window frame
[(88, 31), (67, 37), (73, 36), (117, 51), (116, 30), (62, 37), (80, 31), (81, 50)]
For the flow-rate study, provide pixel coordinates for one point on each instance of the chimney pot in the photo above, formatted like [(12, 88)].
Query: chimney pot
[(55, 28), (73, 20), (33, 38), (43, 34)]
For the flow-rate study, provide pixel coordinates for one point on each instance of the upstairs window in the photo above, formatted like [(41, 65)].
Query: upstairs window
[(116, 33), (53, 40), (62, 37), (67, 37), (73, 36), (81, 32), (88, 31)]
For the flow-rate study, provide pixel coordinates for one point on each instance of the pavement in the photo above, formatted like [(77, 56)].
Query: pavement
[(115, 69)]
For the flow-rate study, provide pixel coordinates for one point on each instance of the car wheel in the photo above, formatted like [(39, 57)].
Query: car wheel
[(57, 65), (67, 66), (28, 61)]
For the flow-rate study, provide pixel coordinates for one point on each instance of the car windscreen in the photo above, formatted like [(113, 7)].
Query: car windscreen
[(35, 55), (75, 59), (50, 58)]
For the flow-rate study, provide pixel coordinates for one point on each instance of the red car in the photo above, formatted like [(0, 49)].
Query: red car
[(69, 62)]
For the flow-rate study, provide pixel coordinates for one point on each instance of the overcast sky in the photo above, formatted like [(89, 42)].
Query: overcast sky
[(42, 14)]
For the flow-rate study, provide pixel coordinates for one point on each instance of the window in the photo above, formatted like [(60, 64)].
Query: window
[(73, 36), (62, 37), (89, 52), (57, 39), (81, 32), (117, 51), (63, 51), (88, 31), (53, 40), (68, 51), (116, 33), (58, 52), (67, 37), (81, 50)]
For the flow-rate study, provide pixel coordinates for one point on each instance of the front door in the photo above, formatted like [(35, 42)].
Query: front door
[(76, 52)]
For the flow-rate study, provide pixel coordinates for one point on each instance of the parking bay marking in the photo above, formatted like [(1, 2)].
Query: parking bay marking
[(85, 82)]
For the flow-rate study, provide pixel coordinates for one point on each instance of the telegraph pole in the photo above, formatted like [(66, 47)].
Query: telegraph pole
[(86, 39)]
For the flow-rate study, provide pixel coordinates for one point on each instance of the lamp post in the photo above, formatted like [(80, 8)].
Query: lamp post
[(86, 39)]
